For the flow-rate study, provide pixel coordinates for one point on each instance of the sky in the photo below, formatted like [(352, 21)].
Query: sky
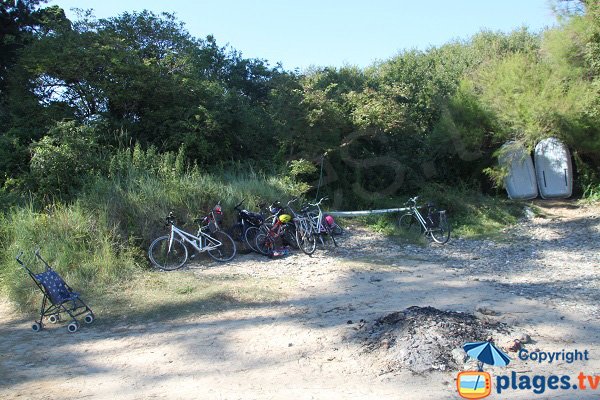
[(300, 34)]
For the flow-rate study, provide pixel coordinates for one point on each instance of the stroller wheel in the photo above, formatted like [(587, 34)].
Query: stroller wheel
[(36, 327), (89, 318), (53, 319), (73, 327)]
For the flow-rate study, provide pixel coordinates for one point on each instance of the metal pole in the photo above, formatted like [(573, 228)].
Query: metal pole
[(367, 212)]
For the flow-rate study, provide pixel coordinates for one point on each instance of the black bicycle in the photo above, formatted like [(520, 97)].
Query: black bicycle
[(246, 220)]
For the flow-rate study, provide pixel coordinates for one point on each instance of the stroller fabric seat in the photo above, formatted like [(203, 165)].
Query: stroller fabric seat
[(57, 289)]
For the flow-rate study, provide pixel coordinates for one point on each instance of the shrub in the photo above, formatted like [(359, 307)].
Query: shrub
[(63, 159)]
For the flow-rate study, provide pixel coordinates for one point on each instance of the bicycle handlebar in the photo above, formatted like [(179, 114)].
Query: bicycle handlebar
[(170, 218), (412, 200), (240, 203), (319, 202)]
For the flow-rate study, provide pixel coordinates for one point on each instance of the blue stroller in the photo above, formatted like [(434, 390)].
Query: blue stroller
[(58, 299)]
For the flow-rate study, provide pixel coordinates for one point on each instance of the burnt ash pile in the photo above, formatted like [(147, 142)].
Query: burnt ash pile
[(423, 339)]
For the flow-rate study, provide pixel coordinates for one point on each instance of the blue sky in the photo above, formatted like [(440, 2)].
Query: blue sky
[(334, 32)]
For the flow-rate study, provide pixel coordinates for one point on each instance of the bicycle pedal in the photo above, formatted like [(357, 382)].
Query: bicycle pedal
[(193, 256)]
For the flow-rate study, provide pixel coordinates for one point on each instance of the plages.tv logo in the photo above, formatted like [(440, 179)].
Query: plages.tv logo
[(478, 384), (474, 384)]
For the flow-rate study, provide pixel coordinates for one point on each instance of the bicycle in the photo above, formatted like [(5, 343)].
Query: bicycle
[(305, 236), (245, 221), (265, 236), (170, 252), (434, 224), (319, 226)]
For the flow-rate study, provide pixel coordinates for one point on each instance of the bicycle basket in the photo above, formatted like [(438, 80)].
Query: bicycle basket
[(253, 218)]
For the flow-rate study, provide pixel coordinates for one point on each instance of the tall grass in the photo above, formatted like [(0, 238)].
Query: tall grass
[(98, 242), (143, 187), (76, 243), (471, 213), (100, 239)]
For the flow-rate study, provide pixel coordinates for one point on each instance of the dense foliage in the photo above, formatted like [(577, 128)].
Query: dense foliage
[(75, 93)]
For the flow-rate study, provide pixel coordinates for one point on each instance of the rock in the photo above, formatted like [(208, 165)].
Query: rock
[(486, 309), (459, 356), (524, 338), (513, 345), (528, 213)]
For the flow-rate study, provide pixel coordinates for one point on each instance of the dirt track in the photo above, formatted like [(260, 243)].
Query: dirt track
[(304, 347)]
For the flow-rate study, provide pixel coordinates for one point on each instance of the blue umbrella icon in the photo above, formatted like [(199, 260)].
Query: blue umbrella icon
[(486, 353)]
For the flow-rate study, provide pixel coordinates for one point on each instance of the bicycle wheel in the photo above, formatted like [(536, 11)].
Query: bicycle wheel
[(265, 243), (330, 233), (236, 232), (250, 237), (441, 233), (225, 251), (306, 240), (289, 235), (409, 224), (336, 229), (165, 257)]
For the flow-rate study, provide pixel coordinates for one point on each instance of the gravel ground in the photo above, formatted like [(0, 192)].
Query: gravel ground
[(554, 258)]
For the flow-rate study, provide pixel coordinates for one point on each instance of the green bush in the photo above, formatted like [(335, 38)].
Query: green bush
[(63, 159)]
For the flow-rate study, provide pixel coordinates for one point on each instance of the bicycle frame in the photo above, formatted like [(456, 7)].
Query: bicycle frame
[(202, 242), (315, 218), (275, 230), (301, 221), (417, 214)]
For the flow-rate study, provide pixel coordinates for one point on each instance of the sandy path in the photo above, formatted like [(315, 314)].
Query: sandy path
[(303, 347)]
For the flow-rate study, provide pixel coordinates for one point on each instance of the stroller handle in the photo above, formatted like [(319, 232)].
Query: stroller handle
[(39, 256), (19, 258)]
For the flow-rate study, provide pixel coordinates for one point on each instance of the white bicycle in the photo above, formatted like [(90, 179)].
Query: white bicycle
[(170, 252), (433, 224), (318, 224)]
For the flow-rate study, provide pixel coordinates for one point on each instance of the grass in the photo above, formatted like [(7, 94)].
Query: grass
[(85, 252), (155, 296), (98, 242), (136, 199), (158, 296), (471, 214)]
